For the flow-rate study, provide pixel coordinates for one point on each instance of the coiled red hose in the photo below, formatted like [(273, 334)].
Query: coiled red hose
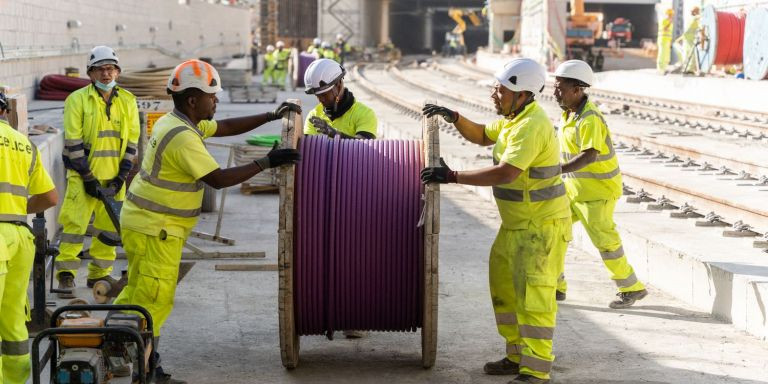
[(58, 87), (358, 251), (730, 31)]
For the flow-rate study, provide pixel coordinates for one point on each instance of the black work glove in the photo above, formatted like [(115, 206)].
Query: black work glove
[(441, 174), (448, 115), (277, 157), (283, 110), (116, 183), (91, 185), (323, 127)]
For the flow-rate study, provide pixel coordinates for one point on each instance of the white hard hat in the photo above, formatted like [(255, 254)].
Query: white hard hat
[(316, 41), (326, 44), (522, 75), (577, 70), (102, 55), (194, 74), (322, 75), (280, 44), (339, 36), (270, 48)]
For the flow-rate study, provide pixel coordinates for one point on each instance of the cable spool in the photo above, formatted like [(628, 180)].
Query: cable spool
[(723, 38), (756, 44), (358, 237)]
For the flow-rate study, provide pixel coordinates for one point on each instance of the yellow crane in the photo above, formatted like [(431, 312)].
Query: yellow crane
[(582, 28)]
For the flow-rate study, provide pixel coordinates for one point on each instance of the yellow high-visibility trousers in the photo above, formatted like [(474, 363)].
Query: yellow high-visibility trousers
[(76, 211), (266, 77), (663, 55), (153, 268), (597, 219), (524, 267), (278, 77), (19, 243)]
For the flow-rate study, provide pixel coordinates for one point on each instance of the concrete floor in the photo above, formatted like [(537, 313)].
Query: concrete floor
[(224, 328)]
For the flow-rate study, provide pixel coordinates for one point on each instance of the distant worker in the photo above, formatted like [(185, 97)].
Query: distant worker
[(338, 112), (163, 203), (315, 46), (27, 188), (329, 52), (101, 136), (281, 57), (664, 41), (528, 254), (342, 48), (592, 177), (688, 38), (255, 46), (267, 77)]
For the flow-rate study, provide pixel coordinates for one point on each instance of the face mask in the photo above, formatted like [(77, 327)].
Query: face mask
[(105, 87)]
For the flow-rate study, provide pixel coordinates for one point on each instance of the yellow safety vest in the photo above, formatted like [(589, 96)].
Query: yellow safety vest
[(359, 118), (21, 174), (665, 29), (104, 140), (168, 193), (528, 142), (281, 57), (600, 180), (269, 61)]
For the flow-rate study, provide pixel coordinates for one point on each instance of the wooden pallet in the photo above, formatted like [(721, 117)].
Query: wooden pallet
[(253, 189), (252, 94)]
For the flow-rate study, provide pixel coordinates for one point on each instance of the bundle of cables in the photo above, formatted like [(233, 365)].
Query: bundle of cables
[(150, 82), (58, 87)]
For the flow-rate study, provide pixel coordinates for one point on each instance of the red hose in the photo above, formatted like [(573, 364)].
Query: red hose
[(730, 35), (58, 87)]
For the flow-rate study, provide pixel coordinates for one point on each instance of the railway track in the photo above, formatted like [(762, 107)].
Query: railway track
[(718, 191), (751, 125)]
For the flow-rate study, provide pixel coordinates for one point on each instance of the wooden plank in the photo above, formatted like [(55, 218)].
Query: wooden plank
[(289, 339), (429, 311), (18, 118), (245, 267)]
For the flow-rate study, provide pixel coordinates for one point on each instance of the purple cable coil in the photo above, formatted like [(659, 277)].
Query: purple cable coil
[(358, 252), (304, 60)]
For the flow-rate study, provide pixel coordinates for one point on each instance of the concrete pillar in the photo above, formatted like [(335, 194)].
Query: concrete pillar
[(384, 31), (428, 29), (504, 15)]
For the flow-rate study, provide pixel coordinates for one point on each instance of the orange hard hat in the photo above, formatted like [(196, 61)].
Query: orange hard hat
[(670, 12)]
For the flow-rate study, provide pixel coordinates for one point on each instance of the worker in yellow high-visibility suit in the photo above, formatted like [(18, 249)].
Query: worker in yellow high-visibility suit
[(315, 47), (690, 64), (342, 48), (101, 135), (281, 56), (25, 187), (592, 176), (529, 252), (163, 203), (664, 41), (267, 77), (338, 112)]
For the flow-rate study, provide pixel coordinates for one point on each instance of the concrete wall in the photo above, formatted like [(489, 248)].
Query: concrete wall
[(36, 40)]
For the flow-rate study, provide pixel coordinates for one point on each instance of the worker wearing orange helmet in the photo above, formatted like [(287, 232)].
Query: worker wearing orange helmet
[(163, 203), (664, 40)]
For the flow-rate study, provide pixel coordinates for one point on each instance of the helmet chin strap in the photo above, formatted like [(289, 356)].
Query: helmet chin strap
[(521, 107)]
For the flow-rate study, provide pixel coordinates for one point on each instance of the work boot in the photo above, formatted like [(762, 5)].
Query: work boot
[(528, 379), (626, 299), (109, 279), (353, 334), (502, 367), (66, 281), (559, 295), (161, 377)]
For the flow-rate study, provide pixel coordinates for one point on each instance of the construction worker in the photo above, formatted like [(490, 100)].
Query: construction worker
[(281, 55), (592, 177), (688, 38), (315, 46), (101, 135), (664, 41), (269, 66), (26, 188), (338, 112), (163, 203), (529, 251), (329, 52), (342, 48)]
